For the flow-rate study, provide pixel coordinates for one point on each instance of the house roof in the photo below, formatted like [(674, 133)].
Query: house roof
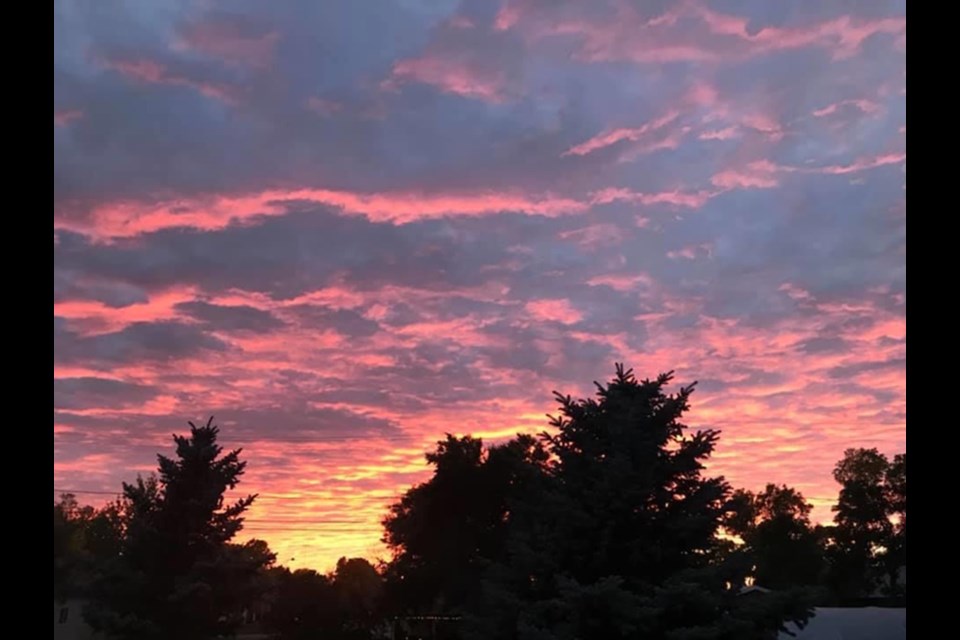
[(857, 623)]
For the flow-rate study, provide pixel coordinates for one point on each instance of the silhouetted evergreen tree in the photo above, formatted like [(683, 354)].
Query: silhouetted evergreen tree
[(620, 539), (178, 576)]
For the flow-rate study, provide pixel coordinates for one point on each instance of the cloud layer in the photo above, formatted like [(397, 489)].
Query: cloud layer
[(347, 228)]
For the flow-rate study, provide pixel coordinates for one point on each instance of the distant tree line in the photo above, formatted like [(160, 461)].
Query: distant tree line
[(604, 527)]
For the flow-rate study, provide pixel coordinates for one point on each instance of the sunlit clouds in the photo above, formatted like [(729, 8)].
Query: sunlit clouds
[(344, 229)]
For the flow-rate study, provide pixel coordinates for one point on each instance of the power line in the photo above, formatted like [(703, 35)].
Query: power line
[(321, 438), (286, 497), (276, 496), (80, 491), (369, 437), (278, 524)]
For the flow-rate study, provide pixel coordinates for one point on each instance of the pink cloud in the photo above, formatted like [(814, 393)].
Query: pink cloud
[(861, 164), (764, 124), (622, 282), (125, 219), (451, 74), (676, 198), (761, 174), (795, 292), (702, 94), (719, 134), (688, 33), (159, 307), (866, 106), (614, 136), (507, 16), (843, 35), (465, 331), (554, 310), (151, 72), (755, 175), (691, 252), (594, 237)]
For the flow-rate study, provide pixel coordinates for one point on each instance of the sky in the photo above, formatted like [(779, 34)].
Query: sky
[(345, 228)]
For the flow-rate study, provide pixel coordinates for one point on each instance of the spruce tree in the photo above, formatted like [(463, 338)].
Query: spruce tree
[(178, 575), (621, 539)]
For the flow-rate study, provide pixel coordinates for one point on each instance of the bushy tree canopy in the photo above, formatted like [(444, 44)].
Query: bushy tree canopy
[(781, 549), (868, 539), (445, 532), (83, 539)]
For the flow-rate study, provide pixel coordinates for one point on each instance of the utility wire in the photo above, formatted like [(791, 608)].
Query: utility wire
[(285, 497), (275, 496)]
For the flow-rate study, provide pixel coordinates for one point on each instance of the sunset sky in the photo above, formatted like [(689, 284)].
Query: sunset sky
[(345, 228)]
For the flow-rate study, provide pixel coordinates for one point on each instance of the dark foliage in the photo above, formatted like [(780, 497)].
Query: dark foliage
[(177, 574), (345, 605), (781, 549), (605, 528), (445, 532), (867, 543), (84, 538)]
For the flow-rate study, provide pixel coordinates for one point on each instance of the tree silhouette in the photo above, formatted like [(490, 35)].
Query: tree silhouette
[(445, 531), (177, 575), (344, 605), (780, 548), (896, 489), (618, 538), (83, 538), (358, 589), (304, 605), (866, 545)]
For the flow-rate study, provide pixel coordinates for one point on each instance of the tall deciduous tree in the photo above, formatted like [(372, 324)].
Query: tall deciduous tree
[(178, 575), (780, 546), (304, 607), (358, 588), (444, 532), (868, 539), (896, 487)]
